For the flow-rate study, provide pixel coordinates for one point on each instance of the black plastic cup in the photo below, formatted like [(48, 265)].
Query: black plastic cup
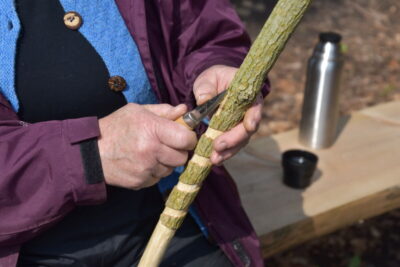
[(298, 168)]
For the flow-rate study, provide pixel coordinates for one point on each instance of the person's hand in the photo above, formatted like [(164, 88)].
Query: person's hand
[(141, 144), (208, 84)]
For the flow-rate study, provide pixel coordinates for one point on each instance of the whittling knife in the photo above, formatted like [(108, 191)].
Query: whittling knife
[(192, 118)]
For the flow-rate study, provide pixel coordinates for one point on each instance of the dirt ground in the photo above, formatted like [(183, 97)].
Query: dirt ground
[(371, 46)]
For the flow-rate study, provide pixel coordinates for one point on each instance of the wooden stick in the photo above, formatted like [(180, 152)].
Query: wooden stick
[(242, 92)]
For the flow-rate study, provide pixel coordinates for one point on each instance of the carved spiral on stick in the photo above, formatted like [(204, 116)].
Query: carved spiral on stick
[(241, 94)]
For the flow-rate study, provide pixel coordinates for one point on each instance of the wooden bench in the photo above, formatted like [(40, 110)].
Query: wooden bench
[(357, 178)]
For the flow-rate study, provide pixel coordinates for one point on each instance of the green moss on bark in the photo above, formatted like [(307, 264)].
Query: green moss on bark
[(172, 222), (194, 174), (179, 200), (204, 147)]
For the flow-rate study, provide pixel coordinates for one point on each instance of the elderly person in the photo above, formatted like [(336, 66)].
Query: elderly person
[(89, 91)]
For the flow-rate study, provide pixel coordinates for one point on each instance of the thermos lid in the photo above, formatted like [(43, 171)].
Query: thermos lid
[(331, 37)]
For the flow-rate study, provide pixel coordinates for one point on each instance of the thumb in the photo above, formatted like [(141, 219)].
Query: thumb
[(167, 111), (203, 90)]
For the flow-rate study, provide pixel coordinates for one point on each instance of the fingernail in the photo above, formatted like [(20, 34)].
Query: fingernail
[(203, 97), (221, 146), (216, 158), (181, 106), (213, 157)]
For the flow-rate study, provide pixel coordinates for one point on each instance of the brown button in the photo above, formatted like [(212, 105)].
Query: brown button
[(72, 20), (117, 83)]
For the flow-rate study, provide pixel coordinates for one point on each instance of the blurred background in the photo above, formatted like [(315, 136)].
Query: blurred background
[(371, 44)]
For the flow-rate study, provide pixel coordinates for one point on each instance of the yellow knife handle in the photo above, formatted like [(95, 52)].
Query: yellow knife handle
[(182, 122)]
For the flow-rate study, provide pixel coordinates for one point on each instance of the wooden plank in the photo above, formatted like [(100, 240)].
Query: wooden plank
[(329, 221), (388, 112), (356, 179)]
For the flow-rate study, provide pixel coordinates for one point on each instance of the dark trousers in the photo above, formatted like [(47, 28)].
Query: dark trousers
[(189, 247)]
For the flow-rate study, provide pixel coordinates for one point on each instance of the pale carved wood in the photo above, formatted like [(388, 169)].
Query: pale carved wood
[(242, 92)]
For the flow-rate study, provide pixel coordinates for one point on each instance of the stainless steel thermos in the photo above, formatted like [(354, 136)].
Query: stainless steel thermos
[(320, 113)]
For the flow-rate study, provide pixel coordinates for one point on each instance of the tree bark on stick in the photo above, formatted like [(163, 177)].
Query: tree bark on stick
[(242, 92)]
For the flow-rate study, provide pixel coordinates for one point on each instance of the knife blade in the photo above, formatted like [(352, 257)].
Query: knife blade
[(193, 118)]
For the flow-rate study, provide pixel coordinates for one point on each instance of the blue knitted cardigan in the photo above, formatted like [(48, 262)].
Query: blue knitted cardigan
[(106, 31)]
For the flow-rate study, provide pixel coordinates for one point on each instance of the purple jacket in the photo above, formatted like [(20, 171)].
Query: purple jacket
[(41, 174)]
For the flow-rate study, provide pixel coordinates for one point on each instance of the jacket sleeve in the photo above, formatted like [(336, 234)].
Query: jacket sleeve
[(41, 174), (203, 33)]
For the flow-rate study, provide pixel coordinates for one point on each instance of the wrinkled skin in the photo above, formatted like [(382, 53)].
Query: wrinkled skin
[(140, 144)]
